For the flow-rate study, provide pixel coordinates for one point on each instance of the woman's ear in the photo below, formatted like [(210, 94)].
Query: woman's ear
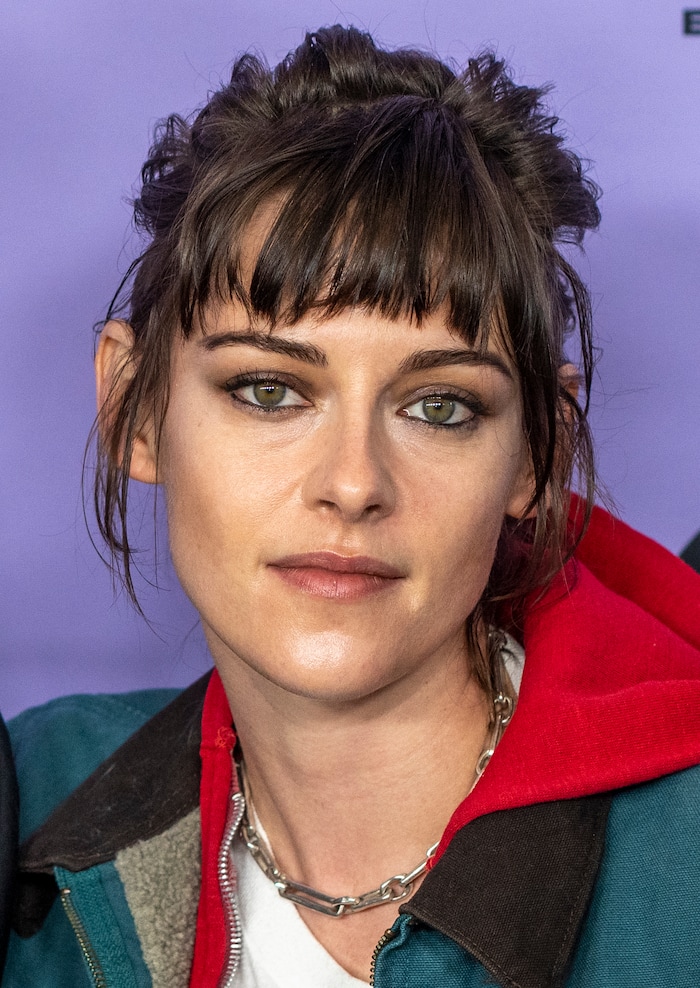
[(522, 490), (569, 381), (114, 368)]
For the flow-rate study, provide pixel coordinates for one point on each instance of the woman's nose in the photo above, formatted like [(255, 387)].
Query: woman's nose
[(350, 471)]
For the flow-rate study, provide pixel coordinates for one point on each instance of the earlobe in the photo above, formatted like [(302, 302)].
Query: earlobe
[(114, 368), (517, 507)]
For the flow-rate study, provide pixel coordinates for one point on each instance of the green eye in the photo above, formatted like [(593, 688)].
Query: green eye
[(268, 394), (264, 394), (438, 410), (443, 409)]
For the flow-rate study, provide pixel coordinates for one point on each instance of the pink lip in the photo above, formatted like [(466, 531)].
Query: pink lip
[(327, 574)]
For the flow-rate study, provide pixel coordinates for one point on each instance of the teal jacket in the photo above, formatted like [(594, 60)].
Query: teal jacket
[(575, 863), (597, 892)]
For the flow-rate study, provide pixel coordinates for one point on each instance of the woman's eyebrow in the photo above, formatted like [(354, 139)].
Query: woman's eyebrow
[(427, 359), (307, 352), (310, 354)]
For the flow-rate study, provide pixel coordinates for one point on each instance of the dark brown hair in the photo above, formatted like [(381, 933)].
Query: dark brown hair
[(398, 185)]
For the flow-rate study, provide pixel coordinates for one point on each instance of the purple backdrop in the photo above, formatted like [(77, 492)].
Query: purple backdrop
[(83, 84)]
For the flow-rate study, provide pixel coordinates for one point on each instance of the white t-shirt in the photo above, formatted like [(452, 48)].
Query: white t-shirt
[(279, 950)]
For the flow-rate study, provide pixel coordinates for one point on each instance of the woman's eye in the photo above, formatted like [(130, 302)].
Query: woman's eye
[(266, 394), (440, 410)]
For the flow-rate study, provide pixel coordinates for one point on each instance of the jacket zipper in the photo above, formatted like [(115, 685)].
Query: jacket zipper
[(227, 884), (385, 938), (82, 937)]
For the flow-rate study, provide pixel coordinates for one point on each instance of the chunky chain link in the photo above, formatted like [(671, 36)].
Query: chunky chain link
[(393, 889)]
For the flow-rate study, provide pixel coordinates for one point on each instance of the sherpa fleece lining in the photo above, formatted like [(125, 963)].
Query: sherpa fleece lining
[(161, 879)]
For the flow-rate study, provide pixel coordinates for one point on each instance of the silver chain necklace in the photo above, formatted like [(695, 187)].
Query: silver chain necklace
[(393, 889)]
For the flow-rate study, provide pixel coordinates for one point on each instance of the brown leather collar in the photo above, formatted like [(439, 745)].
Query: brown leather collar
[(513, 887), (141, 790)]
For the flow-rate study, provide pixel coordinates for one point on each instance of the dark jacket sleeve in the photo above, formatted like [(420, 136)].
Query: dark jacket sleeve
[(9, 815)]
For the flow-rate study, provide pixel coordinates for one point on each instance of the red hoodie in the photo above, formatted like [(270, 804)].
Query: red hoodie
[(610, 697)]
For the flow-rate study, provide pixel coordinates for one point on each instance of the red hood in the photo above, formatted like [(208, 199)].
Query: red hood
[(610, 696)]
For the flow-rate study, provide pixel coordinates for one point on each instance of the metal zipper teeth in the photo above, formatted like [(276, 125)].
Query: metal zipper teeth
[(385, 938), (82, 937), (227, 884)]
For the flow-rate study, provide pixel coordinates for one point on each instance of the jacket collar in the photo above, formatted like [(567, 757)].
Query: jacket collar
[(156, 776), (141, 790), (512, 888)]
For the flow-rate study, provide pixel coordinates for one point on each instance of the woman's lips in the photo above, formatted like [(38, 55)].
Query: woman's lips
[(327, 574)]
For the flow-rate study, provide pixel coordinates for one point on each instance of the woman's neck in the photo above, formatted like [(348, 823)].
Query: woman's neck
[(352, 793)]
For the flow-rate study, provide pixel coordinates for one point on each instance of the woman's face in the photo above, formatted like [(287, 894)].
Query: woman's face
[(335, 491)]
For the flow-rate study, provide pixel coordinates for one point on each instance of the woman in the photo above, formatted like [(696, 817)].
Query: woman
[(342, 356)]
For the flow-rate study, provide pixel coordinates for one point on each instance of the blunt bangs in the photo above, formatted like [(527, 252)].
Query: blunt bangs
[(387, 208)]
